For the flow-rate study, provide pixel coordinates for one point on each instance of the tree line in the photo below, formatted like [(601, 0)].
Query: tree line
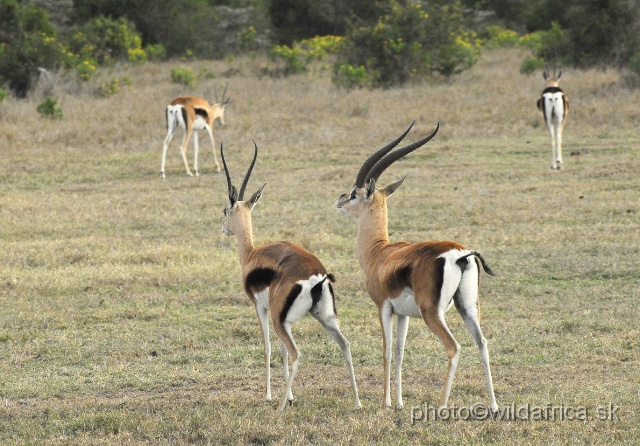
[(378, 43)]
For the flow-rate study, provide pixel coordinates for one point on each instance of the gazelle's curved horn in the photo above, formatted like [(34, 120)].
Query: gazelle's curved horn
[(248, 174), (373, 159), (390, 158), (224, 93), (226, 169)]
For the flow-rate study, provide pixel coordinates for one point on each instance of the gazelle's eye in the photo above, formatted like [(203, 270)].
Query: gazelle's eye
[(353, 195)]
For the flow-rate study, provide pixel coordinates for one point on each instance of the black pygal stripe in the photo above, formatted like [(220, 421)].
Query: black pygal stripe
[(291, 298)]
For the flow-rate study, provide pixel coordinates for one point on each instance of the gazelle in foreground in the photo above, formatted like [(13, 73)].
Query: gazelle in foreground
[(554, 106), (285, 279), (193, 113), (421, 280)]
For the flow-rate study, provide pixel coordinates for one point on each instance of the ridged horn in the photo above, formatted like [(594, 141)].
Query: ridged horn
[(248, 174), (226, 169), (390, 158), (373, 159)]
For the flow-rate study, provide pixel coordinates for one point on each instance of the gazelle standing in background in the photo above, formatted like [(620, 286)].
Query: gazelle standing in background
[(554, 106), (421, 280), (284, 279), (193, 113)]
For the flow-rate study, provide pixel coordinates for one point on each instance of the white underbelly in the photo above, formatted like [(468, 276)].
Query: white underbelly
[(405, 304)]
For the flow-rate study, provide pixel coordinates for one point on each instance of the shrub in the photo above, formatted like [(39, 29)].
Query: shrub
[(183, 76), (49, 108), (297, 58), (531, 65), (28, 41), (107, 40), (498, 36), (247, 39), (348, 76), (114, 86), (409, 42), (155, 52), (4, 94)]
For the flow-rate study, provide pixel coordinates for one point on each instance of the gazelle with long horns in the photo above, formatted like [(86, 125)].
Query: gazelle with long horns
[(554, 106), (284, 279), (421, 280), (193, 113)]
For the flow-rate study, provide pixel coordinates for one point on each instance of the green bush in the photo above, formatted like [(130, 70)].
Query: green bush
[(155, 52), (114, 86), (49, 108), (28, 40), (247, 39), (531, 64), (183, 76), (4, 94), (348, 76), (106, 41), (409, 42)]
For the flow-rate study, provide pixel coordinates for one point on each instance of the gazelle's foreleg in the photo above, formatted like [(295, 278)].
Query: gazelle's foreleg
[(401, 336), (213, 146), (387, 339)]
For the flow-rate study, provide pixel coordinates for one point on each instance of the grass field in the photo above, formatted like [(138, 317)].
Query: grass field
[(122, 315)]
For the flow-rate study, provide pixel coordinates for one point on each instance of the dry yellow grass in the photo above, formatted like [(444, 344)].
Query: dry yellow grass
[(123, 321)]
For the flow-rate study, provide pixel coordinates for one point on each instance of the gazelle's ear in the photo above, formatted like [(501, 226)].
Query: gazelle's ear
[(559, 75), (233, 196), (255, 197), (370, 188), (545, 75), (390, 189)]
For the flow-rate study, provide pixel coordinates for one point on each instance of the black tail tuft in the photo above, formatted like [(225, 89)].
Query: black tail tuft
[(316, 292), (482, 261)]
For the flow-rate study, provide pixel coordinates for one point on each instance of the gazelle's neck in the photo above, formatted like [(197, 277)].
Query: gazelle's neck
[(372, 233), (245, 240)]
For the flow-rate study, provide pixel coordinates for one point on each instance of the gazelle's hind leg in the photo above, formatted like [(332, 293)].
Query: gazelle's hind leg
[(284, 333), (285, 362), (434, 319), (183, 150), (552, 134), (264, 326), (466, 301), (330, 325), (195, 152), (167, 141), (559, 145)]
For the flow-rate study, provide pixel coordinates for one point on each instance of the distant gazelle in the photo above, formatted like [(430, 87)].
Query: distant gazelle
[(554, 106), (193, 113), (284, 279), (421, 280)]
